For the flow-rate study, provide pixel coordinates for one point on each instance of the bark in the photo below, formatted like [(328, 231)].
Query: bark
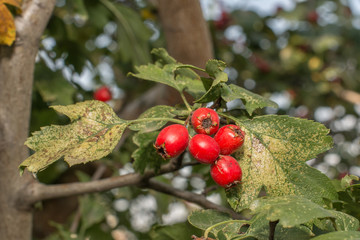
[(16, 79), (186, 32)]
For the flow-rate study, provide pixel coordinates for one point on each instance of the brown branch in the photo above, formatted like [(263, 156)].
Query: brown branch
[(347, 95), (189, 196), (35, 191)]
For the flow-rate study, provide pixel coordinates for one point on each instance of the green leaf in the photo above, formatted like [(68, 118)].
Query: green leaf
[(203, 219), (93, 210), (160, 111), (52, 87), (174, 232), (163, 56), (227, 227), (252, 101), (345, 222), (347, 181), (274, 154), (289, 210), (133, 34), (155, 73), (92, 134), (259, 229), (215, 68), (146, 155), (343, 235)]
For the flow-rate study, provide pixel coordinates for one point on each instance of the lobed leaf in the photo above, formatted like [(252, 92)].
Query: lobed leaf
[(274, 154), (252, 101), (92, 134)]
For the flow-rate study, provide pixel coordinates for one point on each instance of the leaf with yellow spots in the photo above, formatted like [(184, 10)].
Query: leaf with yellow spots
[(295, 216), (7, 25), (273, 158), (92, 134)]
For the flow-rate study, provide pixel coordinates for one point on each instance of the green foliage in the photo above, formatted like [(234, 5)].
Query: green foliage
[(273, 157), (173, 232), (145, 155), (218, 223)]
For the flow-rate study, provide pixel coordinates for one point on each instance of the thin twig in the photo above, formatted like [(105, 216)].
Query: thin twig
[(189, 196)]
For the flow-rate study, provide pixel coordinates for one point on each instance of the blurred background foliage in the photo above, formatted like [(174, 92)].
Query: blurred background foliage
[(304, 55)]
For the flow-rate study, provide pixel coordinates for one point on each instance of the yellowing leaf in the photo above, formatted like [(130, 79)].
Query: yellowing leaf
[(7, 25), (274, 154), (93, 133)]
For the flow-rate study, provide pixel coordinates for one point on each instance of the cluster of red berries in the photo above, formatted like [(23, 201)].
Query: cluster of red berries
[(225, 170)]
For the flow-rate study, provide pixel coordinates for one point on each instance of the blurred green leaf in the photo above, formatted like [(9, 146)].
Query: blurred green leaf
[(173, 232), (146, 155)]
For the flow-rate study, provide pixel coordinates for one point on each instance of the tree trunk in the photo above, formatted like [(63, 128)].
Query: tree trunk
[(186, 31), (16, 79), (188, 41)]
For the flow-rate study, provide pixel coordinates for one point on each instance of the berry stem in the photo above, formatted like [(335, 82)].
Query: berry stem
[(185, 101), (208, 230)]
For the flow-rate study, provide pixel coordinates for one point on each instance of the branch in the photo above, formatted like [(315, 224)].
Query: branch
[(36, 191), (189, 196)]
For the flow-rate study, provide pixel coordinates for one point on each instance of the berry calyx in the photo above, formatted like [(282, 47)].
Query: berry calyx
[(230, 138), (172, 141), (226, 171), (205, 121), (103, 94), (204, 148)]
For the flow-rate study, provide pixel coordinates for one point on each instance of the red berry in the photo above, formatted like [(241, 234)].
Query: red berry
[(230, 138), (226, 171), (312, 17), (172, 141), (204, 148), (205, 121), (223, 21), (103, 94)]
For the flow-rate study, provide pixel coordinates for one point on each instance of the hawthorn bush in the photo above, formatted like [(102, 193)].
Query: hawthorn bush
[(279, 195)]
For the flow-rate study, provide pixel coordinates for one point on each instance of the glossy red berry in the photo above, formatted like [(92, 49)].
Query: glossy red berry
[(103, 94), (230, 138), (172, 141), (205, 121), (204, 148), (226, 171)]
